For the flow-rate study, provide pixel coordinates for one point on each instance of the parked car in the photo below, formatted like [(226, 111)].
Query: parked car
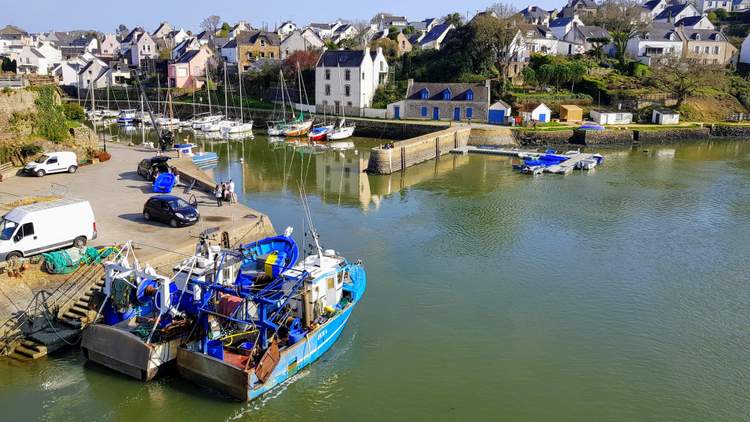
[(53, 162), (148, 168), (170, 209), (45, 226)]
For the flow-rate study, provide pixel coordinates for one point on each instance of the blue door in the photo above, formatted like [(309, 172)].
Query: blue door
[(543, 118), (397, 112), (457, 113), (497, 117), (436, 113)]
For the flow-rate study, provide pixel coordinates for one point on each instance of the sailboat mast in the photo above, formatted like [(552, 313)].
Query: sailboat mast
[(143, 124), (239, 77), (208, 90), (226, 103)]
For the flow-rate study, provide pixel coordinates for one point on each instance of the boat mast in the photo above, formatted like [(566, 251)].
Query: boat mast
[(239, 77), (226, 103), (143, 124), (208, 90)]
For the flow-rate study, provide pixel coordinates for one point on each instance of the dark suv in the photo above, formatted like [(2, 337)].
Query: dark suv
[(149, 167), (171, 210)]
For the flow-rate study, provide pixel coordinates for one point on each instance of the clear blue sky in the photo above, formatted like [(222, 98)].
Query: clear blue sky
[(105, 15)]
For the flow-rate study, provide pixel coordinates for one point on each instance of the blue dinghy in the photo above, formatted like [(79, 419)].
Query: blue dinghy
[(164, 183)]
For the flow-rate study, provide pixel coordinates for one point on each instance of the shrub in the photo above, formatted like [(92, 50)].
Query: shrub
[(50, 119), (74, 111), (30, 149), (103, 156)]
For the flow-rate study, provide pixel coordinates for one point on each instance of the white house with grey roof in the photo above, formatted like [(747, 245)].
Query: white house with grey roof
[(31, 61), (676, 12), (300, 41), (347, 78), (433, 40), (654, 43)]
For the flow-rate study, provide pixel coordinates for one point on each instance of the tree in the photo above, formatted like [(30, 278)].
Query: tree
[(494, 42), (211, 24), (8, 65), (623, 19), (597, 46), (454, 18), (225, 28), (390, 48), (503, 10), (529, 76), (305, 59), (683, 78)]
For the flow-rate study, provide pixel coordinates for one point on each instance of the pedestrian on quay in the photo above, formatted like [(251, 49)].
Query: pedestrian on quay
[(232, 193), (219, 194)]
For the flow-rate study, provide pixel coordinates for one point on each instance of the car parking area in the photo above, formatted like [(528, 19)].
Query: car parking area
[(117, 194)]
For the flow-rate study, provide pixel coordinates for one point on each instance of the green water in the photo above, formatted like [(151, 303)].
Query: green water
[(614, 295)]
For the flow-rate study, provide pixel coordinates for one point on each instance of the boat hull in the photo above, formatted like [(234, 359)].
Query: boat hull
[(126, 353), (341, 133), (242, 385)]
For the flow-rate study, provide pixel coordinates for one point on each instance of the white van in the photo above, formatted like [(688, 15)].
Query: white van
[(53, 162), (45, 226)]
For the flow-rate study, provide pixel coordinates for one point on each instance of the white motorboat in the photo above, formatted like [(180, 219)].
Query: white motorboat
[(199, 122), (341, 131)]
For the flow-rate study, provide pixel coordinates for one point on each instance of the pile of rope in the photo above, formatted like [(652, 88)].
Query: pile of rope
[(68, 260)]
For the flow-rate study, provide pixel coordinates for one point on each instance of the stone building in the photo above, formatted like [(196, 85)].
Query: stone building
[(447, 101)]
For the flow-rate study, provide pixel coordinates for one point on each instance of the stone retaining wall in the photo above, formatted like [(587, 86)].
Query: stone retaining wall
[(730, 131), (605, 137), (541, 138), (413, 151), (483, 136), (671, 135)]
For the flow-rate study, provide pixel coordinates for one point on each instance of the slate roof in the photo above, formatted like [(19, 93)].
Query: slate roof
[(705, 34), (591, 4), (534, 12), (133, 35), (689, 21), (672, 10), (321, 25), (560, 22), (187, 56), (343, 28), (535, 31), (251, 37), (660, 32), (435, 33), (651, 4), (341, 58), (593, 32), (458, 91)]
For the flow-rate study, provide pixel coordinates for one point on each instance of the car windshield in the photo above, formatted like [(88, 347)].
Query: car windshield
[(42, 159), (178, 203), (7, 228)]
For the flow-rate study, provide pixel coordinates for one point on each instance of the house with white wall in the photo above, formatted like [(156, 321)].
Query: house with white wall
[(109, 46), (705, 6), (300, 41), (695, 22), (676, 12), (535, 112), (347, 78), (138, 46), (285, 29), (433, 40), (652, 8), (655, 42), (562, 25), (30, 60)]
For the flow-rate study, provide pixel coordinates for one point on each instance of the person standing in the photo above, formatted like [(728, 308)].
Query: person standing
[(232, 193), (219, 195)]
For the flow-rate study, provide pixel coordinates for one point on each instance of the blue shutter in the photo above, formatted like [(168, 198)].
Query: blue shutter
[(424, 111), (469, 112), (469, 95)]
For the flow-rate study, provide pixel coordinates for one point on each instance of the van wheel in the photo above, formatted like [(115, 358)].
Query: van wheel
[(13, 256), (79, 242), (173, 222), (146, 215), (40, 173), (72, 169)]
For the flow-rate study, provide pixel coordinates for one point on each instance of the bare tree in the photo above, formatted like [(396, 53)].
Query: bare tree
[(684, 78), (497, 38), (363, 31), (503, 10), (211, 24), (623, 19)]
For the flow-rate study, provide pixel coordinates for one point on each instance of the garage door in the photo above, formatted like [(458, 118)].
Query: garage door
[(497, 117)]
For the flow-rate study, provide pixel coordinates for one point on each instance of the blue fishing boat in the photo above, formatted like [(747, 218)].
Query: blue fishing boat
[(280, 316)]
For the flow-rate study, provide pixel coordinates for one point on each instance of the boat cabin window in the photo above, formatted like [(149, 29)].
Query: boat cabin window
[(8, 228)]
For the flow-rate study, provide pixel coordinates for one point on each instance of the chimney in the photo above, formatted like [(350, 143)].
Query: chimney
[(367, 51), (380, 50)]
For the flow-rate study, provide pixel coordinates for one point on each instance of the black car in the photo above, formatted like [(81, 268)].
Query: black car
[(149, 167), (171, 210)]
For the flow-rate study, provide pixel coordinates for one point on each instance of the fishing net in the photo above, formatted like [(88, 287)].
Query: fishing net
[(68, 260)]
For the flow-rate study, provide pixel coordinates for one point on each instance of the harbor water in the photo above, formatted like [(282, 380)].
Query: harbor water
[(618, 294)]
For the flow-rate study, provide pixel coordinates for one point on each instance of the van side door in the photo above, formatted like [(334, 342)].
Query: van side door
[(52, 165), (25, 240)]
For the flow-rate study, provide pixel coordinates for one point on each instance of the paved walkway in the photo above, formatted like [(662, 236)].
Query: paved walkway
[(117, 195)]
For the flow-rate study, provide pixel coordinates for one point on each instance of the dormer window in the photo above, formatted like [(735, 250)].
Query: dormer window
[(698, 37), (424, 94), (671, 36), (447, 94), (646, 36), (469, 95)]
